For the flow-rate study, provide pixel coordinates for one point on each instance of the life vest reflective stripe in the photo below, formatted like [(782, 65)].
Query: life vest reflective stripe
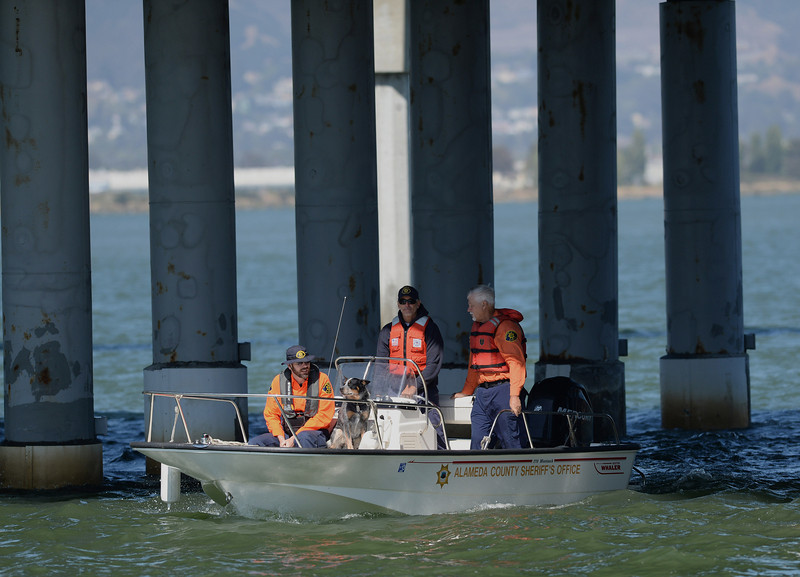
[(486, 356), (408, 344), (312, 405)]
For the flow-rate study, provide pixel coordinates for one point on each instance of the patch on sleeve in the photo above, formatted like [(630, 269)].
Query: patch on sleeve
[(511, 336), (327, 388)]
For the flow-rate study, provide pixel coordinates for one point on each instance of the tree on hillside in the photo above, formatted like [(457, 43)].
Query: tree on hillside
[(632, 160), (763, 154), (756, 157), (773, 148), (791, 160)]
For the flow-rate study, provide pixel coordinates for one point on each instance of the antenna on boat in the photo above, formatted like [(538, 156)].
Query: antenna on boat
[(336, 338)]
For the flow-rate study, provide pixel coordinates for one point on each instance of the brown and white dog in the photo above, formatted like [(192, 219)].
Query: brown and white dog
[(353, 415)]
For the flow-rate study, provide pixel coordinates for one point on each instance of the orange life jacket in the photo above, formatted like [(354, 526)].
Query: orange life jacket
[(486, 356), (298, 418), (408, 344)]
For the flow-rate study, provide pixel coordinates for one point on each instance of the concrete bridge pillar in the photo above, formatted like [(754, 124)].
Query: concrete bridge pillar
[(336, 204), (705, 381), (48, 399), (192, 219), (451, 160), (578, 291), (391, 111)]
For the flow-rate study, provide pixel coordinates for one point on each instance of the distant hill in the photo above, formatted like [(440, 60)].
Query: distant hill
[(768, 57)]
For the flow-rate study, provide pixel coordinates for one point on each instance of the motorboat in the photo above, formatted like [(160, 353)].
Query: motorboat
[(396, 467)]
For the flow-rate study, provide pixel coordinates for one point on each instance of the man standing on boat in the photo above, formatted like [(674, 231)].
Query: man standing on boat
[(497, 372), (310, 419), (413, 335)]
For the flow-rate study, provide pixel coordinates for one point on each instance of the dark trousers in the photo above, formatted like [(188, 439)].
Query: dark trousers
[(307, 439), (487, 405)]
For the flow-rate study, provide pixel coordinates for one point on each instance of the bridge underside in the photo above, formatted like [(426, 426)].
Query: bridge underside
[(393, 180)]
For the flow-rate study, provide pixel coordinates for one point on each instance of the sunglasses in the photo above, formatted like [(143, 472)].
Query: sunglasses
[(407, 301)]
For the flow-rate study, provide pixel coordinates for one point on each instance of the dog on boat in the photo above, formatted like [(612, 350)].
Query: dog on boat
[(353, 415)]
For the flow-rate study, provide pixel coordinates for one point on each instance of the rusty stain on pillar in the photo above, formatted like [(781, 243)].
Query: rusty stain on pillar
[(578, 290), (451, 163), (50, 439), (336, 202), (192, 216), (705, 373)]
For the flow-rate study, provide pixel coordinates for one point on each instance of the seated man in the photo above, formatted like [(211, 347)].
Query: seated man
[(310, 419)]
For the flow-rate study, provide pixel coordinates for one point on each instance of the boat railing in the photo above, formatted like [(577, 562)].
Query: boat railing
[(226, 398), (180, 413), (572, 418), (376, 405)]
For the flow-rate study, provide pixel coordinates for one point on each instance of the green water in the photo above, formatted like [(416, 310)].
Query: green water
[(621, 534), (715, 503)]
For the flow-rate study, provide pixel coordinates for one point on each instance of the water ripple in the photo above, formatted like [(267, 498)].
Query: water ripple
[(763, 460)]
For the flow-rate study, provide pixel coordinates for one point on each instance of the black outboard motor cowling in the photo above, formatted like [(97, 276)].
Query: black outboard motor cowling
[(566, 397)]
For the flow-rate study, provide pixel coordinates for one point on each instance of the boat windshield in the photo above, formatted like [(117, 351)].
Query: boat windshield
[(388, 378)]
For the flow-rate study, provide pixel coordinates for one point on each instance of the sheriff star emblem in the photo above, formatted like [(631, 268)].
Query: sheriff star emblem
[(443, 476)]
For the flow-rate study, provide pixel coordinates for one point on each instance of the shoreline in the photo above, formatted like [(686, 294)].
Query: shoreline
[(111, 202)]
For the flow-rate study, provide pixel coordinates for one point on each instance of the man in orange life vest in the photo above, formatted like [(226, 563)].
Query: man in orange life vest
[(496, 373), (310, 419), (413, 335)]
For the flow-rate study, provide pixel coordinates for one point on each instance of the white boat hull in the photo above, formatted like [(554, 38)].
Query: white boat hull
[(324, 483)]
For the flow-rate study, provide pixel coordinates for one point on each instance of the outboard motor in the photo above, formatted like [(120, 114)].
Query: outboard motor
[(566, 397)]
